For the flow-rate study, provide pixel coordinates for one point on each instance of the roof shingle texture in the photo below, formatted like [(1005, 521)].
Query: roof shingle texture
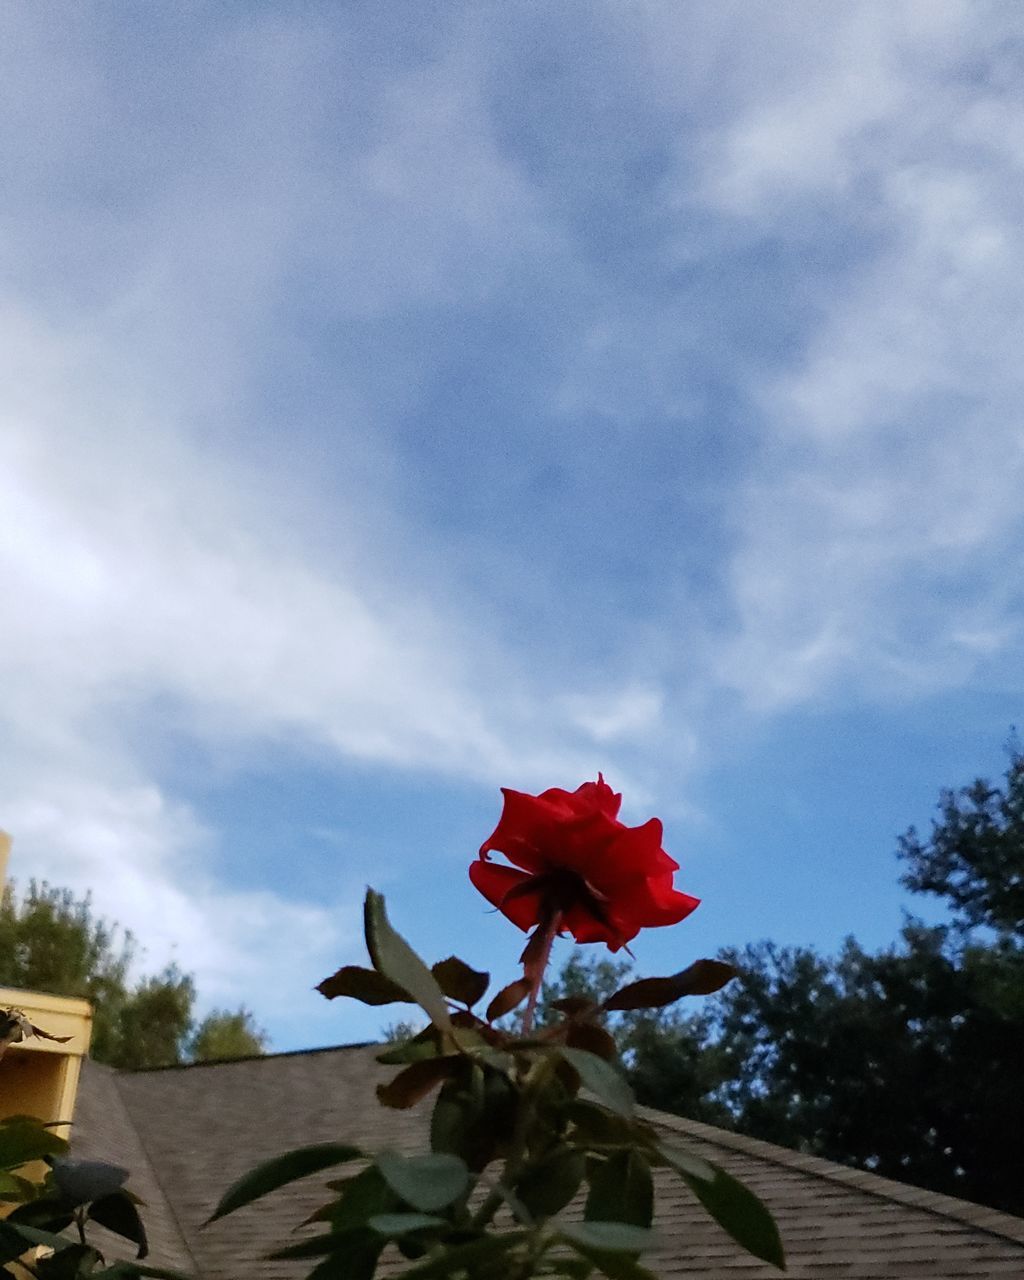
[(188, 1133)]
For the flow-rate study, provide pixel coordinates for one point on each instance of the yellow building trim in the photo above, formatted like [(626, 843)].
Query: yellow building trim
[(40, 1077)]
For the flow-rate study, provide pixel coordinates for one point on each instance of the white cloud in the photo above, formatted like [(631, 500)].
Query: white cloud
[(880, 531), (145, 576)]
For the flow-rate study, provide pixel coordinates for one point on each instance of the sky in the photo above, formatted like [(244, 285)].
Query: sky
[(399, 402)]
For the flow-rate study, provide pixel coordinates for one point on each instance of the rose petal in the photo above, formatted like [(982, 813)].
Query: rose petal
[(496, 884), (586, 927)]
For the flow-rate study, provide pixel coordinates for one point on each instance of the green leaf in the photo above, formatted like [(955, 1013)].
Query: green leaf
[(35, 1236), (618, 1266), (608, 1237), (460, 982), (23, 1139), (467, 1258), (400, 1224), (595, 1125), (358, 1260), (70, 1263), (84, 1180), (46, 1213), (280, 1171), (117, 1212), (13, 1188), (687, 1164), (129, 1270), (415, 1082), (366, 985), (739, 1212), (508, 998), (315, 1246), (547, 1187), (395, 959), (700, 979), (621, 1190), (361, 1197), (427, 1044), (602, 1079), (425, 1182)]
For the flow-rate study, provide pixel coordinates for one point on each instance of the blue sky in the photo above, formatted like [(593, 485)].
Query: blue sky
[(401, 402)]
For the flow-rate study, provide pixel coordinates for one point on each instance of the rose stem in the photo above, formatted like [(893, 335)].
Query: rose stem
[(539, 946)]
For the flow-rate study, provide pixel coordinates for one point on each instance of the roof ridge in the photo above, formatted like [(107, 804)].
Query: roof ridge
[(247, 1057), (155, 1174), (993, 1221)]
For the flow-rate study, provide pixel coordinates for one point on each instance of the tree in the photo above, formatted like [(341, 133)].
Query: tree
[(223, 1034), (671, 1058), (51, 941), (907, 1062), (975, 856)]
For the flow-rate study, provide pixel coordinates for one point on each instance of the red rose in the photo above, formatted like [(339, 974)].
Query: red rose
[(605, 881)]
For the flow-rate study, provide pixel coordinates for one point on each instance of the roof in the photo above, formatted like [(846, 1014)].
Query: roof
[(188, 1132)]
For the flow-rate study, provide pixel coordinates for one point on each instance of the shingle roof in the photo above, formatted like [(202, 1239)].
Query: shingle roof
[(187, 1133)]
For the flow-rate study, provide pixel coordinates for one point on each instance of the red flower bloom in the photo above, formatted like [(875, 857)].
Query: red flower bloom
[(606, 881)]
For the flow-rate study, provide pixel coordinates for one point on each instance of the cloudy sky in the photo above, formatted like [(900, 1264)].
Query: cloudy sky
[(402, 401)]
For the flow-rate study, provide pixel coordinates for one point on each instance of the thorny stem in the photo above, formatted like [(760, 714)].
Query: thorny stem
[(535, 958), (532, 1087)]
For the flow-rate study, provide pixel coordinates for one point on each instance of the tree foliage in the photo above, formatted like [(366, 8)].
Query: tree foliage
[(974, 857), (223, 1034), (907, 1062), (51, 941)]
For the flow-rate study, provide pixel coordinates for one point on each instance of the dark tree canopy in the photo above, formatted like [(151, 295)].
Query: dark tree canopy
[(907, 1062), (975, 855), (51, 941)]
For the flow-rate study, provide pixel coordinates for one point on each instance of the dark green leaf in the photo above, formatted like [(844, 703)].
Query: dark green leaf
[(400, 1224), (425, 1182), (361, 1197), (575, 1268), (618, 1266), (739, 1212), (602, 1079), (415, 1082), (621, 1190), (14, 1188), (467, 1258), (129, 1270), (547, 1187), (280, 1171), (69, 1263), (47, 1213), (117, 1212), (395, 959), (508, 998), (427, 1044), (23, 1139), (358, 1260), (687, 1164), (459, 981), (315, 1246), (700, 979), (366, 985), (608, 1237), (597, 1126), (34, 1235), (84, 1180)]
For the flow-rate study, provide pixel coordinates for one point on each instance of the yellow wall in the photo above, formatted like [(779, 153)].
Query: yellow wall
[(40, 1077)]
